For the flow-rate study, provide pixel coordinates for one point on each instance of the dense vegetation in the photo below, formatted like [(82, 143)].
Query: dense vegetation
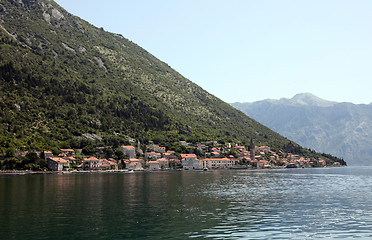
[(67, 84)]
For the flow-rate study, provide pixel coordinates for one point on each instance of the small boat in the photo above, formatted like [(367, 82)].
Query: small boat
[(291, 165), (130, 171), (205, 169)]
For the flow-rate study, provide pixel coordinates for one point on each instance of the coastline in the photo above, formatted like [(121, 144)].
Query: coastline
[(30, 172)]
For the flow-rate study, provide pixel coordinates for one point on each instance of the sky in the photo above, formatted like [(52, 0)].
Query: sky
[(245, 50)]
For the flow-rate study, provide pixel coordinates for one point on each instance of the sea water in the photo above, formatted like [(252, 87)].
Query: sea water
[(317, 203)]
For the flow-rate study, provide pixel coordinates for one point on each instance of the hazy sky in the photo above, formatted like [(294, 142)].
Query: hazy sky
[(243, 50)]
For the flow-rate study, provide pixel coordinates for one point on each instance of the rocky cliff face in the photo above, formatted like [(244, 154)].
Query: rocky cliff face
[(342, 129)]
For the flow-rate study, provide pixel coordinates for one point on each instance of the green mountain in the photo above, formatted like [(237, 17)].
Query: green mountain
[(66, 83)]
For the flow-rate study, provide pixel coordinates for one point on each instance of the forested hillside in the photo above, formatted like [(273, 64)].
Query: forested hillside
[(67, 84)]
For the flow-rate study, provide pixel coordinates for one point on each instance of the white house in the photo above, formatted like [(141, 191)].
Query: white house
[(218, 162), (190, 161), (91, 163), (154, 165)]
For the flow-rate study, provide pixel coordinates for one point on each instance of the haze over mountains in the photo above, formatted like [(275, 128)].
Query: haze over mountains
[(342, 129)]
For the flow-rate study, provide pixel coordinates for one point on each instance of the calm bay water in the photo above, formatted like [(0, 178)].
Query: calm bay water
[(268, 204)]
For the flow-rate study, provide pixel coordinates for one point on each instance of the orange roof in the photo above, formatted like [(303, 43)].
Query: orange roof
[(188, 156), (153, 161), (134, 160), (127, 147), (90, 159), (58, 160), (67, 150), (153, 153), (217, 159), (239, 147)]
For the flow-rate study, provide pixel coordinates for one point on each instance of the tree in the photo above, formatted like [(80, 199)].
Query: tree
[(119, 154), (109, 152), (88, 150), (31, 157), (9, 152)]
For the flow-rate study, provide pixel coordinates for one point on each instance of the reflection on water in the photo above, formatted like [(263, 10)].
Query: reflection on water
[(300, 204), (270, 204)]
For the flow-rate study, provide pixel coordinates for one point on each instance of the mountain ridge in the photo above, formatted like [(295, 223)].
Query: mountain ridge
[(341, 128), (300, 99)]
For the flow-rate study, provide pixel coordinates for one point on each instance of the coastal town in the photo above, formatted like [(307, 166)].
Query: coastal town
[(203, 156)]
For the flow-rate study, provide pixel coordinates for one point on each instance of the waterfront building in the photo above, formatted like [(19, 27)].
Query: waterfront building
[(218, 162), (57, 164), (134, 164), (91, 163), (154, 165), (190, 161), (164, 163)]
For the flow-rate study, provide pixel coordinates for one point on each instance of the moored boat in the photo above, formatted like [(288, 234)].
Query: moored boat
[(291, 165)]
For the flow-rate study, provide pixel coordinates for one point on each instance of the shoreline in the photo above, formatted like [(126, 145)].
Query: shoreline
[(30, 172)]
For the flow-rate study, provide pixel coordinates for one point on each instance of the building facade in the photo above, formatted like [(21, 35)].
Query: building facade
[(130, 151), (57, 164)]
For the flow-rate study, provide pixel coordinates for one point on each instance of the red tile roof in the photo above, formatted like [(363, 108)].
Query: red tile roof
[(127, 147), (90, 159), (188, 156), (67, 150), (58, 160), (217, 159)]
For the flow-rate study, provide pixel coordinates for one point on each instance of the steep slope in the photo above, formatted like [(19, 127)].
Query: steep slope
[(66, 83), (342, 129)]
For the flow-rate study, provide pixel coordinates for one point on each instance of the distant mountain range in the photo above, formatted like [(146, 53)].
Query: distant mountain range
[(342, 129)]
